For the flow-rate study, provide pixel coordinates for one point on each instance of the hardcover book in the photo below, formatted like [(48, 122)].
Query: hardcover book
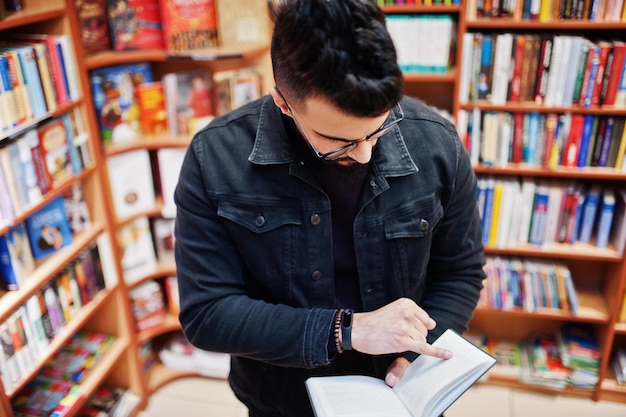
[(188, 97), (189, 25), (153, 117), (135, 24), (130, 176), (49, 229), (16, 258), (147, 305), (94, 28), (429, 385), (138, 257), (115, 99), (54, 153)]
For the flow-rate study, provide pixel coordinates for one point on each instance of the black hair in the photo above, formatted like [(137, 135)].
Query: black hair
[(337, 50)]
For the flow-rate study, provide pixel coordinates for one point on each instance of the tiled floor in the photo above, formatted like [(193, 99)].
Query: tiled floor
[(203, 397)]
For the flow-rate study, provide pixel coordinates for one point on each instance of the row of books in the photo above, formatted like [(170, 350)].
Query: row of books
[(176, 352), (111, 401), (177, 26), (568, 357), (418, 2), (152, 301), (38, 161), (619, 366), (144, 244), (130, 103), (553, 70), (548, 140), (131, 176), (37, 74), (46, 231), (549, 10), (528, 284), (434, 34), (545, 212), (56, 388), (25, 336)]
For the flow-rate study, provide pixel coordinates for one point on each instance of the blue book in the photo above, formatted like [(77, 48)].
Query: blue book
[(75, 159), (28, 64), (539, 216), (605, 219), (49, 229), (18, 174), (486, 62), (488, 209), (530, 146), (593, 72), (115, 99), (579, 210), (606, 142), (6, 89), (585, 141), (16, 259), (588, 215)]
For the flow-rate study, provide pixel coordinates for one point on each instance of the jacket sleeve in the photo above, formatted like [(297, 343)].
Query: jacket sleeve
[(216, 312), (455, 272)]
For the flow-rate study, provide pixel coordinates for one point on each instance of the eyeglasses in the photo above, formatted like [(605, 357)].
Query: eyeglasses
[(341, 151)]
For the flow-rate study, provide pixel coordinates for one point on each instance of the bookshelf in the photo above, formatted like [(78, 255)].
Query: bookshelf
[(102, 313), (599, 274), (228, 56)]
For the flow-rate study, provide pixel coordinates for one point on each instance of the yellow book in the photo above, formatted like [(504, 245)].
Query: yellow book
[(495, 213), (619, 161), (545, 12)]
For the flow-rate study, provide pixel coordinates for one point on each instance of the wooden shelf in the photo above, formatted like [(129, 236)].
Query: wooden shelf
[(107, 58), (46, 269), (578, 251), (420, 8), (528, 106), (149, 143), (159, 375), (570, 25), (33, 12), (591, 173), (85, 313), (170, 324)]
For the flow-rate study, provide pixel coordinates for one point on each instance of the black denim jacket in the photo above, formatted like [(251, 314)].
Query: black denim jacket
[(254, 256)]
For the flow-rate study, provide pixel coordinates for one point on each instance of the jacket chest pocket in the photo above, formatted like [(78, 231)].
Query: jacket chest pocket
[(410, 230), (267, 240)]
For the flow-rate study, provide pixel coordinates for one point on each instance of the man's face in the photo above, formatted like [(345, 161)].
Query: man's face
[(327, 128)]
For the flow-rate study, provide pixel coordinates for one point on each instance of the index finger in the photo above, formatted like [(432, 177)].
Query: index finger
[(430, 350)]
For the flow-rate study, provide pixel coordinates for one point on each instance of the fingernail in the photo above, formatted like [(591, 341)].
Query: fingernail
[(448, 354), (391, 379)]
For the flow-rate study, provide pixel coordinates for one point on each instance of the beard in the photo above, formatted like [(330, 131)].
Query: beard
[(344, 165)]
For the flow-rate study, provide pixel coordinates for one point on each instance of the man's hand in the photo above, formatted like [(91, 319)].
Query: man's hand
[(397, 327)]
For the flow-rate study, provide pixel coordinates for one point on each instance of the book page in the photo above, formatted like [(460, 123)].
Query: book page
[(354, 396), (430, 385)]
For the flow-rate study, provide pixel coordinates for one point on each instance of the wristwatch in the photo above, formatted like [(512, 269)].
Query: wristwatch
[(346, 329)]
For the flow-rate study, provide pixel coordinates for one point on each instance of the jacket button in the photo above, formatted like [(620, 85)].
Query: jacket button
[(423, 225), (259, 221), (315, 219), (316, 275)]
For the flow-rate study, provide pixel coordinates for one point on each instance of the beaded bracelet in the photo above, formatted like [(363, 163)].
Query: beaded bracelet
[(337, 329)]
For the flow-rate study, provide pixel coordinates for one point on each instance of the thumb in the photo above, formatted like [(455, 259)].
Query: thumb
[(396, 371)]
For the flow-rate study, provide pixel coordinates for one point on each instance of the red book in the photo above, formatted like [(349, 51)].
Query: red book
[(615, 72), (518, 59), (189, 25), (54, 62), (135, 24), (605, 50), (53, 152), (572, 143), (518, 137), (542, 70), (593, 55)]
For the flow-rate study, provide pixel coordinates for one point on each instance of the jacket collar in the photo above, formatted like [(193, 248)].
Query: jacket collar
[(272, 146)]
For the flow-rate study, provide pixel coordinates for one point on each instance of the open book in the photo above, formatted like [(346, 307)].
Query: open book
[(429, 386)]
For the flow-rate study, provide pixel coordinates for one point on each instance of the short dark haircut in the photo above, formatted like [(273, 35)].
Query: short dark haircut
[(337, 50)]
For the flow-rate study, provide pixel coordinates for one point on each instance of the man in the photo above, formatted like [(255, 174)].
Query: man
[(330, 227)]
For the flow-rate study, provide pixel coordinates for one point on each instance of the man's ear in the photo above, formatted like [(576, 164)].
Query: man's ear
[(280, 101)]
